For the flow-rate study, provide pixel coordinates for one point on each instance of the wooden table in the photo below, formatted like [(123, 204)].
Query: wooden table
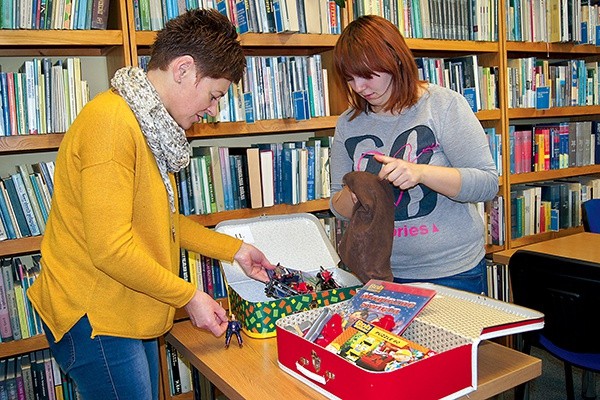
[(583, 246), (252, 372)]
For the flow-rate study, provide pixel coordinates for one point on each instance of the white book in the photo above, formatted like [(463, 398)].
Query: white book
[(291, 10), (302, 175), (266, 177)]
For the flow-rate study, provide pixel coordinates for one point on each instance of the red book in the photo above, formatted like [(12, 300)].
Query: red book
[(379, 299)]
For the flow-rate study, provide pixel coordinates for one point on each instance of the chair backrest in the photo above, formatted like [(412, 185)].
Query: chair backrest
[(566, 290), (590, 215)]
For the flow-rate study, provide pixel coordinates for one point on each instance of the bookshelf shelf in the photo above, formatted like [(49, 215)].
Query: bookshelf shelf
[(540, 237), (29, 143), (570, 49), (454, 46), (275, 126), (309, 206), (488, 115), (16, 347), (553, 174), (146, 38), (25, 245), (516, 113), (57, 38)]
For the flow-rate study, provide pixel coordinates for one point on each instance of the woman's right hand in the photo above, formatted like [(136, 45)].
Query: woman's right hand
[(343, 202), (206, 313)]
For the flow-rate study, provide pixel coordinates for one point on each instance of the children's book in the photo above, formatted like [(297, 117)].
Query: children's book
[(389, 305), (375, 349)]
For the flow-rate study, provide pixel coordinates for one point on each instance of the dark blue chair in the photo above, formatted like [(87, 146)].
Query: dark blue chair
[(590, 215), (567, 291)]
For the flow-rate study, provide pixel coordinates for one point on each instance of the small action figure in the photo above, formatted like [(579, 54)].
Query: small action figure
[(325, 280), (284, 282), (234, 326)]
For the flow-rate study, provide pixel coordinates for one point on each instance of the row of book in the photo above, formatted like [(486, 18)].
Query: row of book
[(437, 19), (185, 378), (492, 213), (54, 14), (259, 16), (179, 371), (550, 146), (552, 21), (25, 199), (498, 281), (463, 74), (495, 143), (549, 206), (43, 96), (277, 87), (228, 178), (34, 375), (204, 272), (540, 83), (18, 319)]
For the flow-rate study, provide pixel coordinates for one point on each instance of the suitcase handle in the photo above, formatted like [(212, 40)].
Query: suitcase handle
[(311, 375)]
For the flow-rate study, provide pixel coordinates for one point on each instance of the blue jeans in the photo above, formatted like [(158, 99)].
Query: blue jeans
[(107, 367), (473, 280)]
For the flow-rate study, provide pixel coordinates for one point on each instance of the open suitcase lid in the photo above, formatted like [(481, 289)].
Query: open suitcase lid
[(297, 241), (476, 316)]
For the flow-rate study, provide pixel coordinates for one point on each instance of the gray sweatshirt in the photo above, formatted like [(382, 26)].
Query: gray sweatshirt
[(434, 236)]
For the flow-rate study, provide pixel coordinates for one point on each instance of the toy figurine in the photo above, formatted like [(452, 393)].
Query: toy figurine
[(325, 280), (234, 326), (284, 282)]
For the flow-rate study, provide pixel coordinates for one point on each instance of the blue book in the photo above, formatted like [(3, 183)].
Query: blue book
[(26, 204), (184, 196), (6, 219), (286, 175), (39, 196), (310, 180), (300, 108), (278, 18), (235, 183), (16, 207), (249, 107), (219, 288), (5, 104), (222, 7), (242, 16)]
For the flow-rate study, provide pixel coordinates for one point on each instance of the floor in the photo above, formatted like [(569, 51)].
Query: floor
[(551, 384)]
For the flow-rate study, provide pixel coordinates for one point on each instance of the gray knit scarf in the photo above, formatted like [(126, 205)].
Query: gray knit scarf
[(165, 138)]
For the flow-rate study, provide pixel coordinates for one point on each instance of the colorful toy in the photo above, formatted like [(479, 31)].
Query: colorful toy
[(233, 327), (331, 330), (325, 280)]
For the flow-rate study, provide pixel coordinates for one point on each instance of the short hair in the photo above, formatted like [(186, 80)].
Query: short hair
[(208, 37), (373, 44)]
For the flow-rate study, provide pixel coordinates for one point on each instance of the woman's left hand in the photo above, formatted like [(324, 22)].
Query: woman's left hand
[(253, 262)]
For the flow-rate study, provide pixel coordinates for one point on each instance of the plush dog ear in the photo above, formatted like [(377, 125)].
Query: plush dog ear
[(366, 245)]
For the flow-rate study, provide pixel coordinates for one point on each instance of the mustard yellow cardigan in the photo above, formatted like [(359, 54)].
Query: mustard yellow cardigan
[(108, 250)]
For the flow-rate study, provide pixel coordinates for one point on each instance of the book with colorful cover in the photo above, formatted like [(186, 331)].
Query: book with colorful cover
[(377, 300), (376, 349)]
